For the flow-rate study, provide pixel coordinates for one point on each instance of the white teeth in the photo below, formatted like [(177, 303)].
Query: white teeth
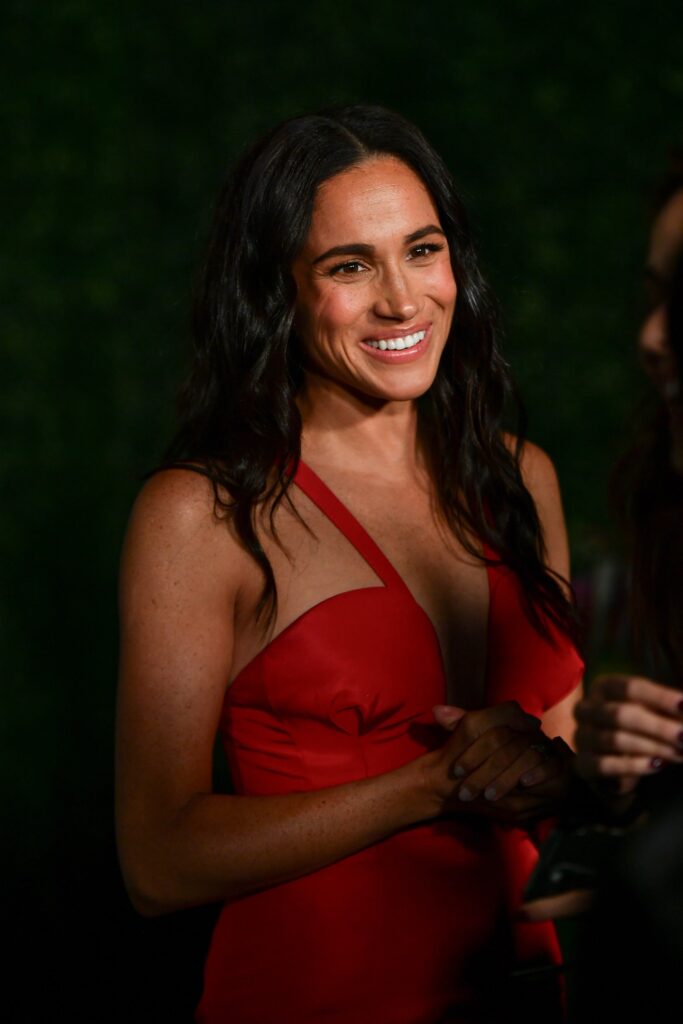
[(399, 344)]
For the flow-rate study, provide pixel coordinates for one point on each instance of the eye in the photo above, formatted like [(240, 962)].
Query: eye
[(425, 249), (348, 269)]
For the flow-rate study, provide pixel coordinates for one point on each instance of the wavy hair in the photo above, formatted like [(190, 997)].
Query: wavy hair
[(239, 421)]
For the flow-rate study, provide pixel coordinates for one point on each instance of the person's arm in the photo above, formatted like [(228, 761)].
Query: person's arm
[(182, 588)]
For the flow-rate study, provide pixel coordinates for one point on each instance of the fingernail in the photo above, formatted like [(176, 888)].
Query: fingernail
[(458, 771), (528, 778), (490, 793), (656, 764), (465, 793)]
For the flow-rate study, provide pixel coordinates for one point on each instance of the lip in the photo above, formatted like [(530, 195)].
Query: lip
[(401, 332), (406, 355)]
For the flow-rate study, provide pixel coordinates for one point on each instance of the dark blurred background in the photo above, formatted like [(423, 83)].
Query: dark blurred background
[(119, 122)]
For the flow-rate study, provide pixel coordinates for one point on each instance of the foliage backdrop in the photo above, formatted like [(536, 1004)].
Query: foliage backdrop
[(120, 119)]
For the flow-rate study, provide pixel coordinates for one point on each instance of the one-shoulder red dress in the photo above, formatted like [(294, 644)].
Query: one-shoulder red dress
[(418, 928)]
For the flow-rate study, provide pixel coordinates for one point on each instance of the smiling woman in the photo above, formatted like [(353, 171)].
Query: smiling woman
[(350, 315), (342, 541)]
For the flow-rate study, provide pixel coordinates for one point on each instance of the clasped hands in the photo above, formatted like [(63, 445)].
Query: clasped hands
[(500, 764)]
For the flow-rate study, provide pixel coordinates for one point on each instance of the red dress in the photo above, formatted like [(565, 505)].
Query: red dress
[(415, 929)]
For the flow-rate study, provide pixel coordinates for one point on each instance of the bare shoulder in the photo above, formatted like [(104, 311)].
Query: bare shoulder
[(176, 501), (173, 529), (538, 471), (540, 479)]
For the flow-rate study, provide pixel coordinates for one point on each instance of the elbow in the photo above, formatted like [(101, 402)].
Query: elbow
[(146, 882), (146, 903), (145, 894), (154, 889)]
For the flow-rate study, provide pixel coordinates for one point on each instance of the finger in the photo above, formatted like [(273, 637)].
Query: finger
[(448, 715), (532, 763), (550, 908), (617, 741), (515, 811), (551, 768), (659, 698), (468, 760), (595, 766), (475, 723), (488, 758), (630, 717)]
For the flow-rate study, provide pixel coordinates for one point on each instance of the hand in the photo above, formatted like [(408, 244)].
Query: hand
[(628, 727), (510, 770)]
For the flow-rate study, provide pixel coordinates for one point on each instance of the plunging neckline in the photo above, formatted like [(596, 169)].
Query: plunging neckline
[(341, 517)]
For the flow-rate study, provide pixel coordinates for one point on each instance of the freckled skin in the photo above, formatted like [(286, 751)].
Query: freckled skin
[(190, 591), (399, 285)]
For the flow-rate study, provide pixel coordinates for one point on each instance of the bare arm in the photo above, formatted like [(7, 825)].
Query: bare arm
[(182, 589)]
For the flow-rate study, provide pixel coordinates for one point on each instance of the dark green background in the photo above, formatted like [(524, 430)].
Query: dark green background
[(119, 121)]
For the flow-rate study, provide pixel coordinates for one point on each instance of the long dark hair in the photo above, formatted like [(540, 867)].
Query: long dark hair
[(240, 424), (648, 493)]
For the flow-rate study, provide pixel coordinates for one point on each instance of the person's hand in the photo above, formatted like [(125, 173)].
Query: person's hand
[(508, 768), (628, 727)]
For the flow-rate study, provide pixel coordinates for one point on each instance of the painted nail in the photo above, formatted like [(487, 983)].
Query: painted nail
[(466, 794), (458, 771), (656, 764), (490, 793), (528, 778)]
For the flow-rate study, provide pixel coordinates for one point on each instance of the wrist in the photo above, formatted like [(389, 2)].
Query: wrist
[(423, 792)]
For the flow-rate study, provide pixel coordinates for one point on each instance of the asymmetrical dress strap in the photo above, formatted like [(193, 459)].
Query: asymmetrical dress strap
[(347, 524)]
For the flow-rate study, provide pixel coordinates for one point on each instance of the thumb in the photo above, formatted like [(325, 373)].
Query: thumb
[(448, 715)]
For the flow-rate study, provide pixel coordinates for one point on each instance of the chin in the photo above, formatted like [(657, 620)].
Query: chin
[(404, 391)]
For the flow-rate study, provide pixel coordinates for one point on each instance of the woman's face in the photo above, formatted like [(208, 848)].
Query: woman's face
[(666, 244), (375, 286)]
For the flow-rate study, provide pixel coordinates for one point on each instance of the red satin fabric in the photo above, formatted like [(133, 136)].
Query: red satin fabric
[(415, 929)]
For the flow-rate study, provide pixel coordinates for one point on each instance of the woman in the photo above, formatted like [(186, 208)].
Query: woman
[(346, 372), (631, 727)]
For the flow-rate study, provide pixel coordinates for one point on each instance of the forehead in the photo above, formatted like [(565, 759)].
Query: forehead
[(380, 197), (666, 239)]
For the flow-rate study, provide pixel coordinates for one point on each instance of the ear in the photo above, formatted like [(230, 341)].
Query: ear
[(448, 715)]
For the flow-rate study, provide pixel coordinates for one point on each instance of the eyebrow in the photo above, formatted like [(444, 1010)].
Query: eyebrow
[(363, 249)]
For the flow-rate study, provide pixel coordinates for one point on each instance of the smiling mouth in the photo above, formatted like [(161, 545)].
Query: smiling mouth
[(397, 344)]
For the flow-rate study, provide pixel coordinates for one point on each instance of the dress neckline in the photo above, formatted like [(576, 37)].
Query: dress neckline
[(310, 484)]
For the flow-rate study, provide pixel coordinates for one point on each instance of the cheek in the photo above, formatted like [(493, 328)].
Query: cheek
[(329, 310), (442, 284)]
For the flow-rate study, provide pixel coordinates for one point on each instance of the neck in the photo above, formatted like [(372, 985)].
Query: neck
[(344, 427)]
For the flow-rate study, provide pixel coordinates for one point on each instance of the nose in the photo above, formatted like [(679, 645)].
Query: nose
[(655, 350), (395, 298)]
